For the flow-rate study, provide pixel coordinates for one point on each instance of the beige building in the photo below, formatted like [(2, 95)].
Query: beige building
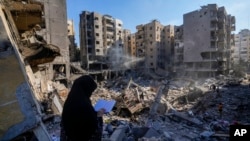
[(241, 50), (132, 45), (126, 41), (72, 45), (101, 43), (154, 43), (207, 41), (166, 50)]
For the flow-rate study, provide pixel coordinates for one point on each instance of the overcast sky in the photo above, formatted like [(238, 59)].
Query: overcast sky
[(135, 12)]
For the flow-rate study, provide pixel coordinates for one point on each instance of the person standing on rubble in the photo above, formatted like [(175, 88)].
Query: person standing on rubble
[(213, 87), (218, 91), (220, 108), (80, 121)]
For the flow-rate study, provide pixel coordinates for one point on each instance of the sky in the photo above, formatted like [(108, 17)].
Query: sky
[(168, 12)]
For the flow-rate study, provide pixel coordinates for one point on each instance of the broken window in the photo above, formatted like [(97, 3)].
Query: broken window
[(59, 71)]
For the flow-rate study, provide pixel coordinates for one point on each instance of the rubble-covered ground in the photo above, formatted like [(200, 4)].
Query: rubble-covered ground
[(186, 109)]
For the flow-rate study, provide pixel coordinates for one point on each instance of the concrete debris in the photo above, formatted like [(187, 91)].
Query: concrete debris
[(185, 110), (193, 114)]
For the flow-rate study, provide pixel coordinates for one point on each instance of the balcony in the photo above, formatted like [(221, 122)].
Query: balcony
[(214, 38), (221, 58), (214, 28), (214, 18), (222, 20), (111, 29), (233, 19), (222, 31), (233, 28)]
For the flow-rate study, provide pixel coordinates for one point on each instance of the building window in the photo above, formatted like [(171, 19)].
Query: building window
[(96, 18), (97, 34), (96, 26), (151, 64), (150, 28), (89, 50), (89, 42), (97, 50), (97, 42), (119, 24)]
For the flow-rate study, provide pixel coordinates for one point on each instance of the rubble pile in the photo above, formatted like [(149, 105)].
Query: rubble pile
[(186, 111), (170, 110)]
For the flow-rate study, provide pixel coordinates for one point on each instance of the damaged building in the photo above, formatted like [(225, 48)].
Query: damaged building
[(207, 49), (36, 46), (101, 41)]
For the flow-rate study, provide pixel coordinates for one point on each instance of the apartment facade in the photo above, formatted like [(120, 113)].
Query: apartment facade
[(178, 66), (166, 50), (132, 45), (154, 44), (207, 41), (126, 41), (72, 45), (100, 40), (241, 50)]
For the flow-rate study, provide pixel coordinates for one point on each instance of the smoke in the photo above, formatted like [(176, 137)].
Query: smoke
[(118, 59)]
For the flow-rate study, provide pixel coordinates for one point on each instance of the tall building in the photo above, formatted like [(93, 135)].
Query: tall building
[(178, 66), (207, 41), (166, 51), (154, 43), (241, 50), (72, 45), (100, 40), (126, 41), (132, 45)]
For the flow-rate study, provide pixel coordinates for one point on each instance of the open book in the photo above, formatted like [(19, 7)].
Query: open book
[(106, 104)]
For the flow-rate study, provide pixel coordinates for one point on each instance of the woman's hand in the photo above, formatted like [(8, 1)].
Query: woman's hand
[(101, 112)]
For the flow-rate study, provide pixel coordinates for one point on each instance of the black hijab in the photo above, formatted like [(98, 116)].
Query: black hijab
[(79, 118)]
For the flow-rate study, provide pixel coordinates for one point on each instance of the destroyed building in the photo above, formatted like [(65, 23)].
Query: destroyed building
[(36, 47)]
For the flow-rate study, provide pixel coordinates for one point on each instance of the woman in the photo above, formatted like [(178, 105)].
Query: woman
[(79, 118)]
